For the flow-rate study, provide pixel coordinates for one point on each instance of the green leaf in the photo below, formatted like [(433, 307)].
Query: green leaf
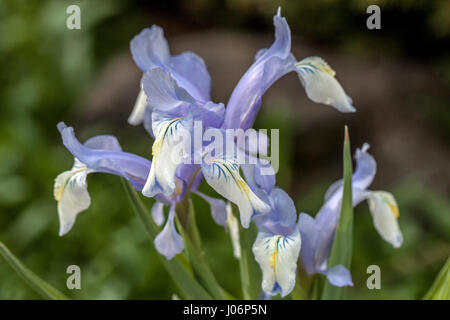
[(341, 250), (177, 267), (440, 290), (41, 287), (250, 272), (193, 245)]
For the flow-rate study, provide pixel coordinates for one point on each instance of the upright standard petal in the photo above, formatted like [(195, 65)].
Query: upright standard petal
[(320, 84), (277, 256), (269, 66), (385, 213), (168, 151), (150, 50), (70, 191), (168, 242), (222, 173)]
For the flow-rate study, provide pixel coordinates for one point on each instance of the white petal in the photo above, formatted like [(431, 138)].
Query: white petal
[(137, 115), (233, 228), (277, 256), (320, 85), (168, 150), (70, 190), (223, 175), (385, 213)]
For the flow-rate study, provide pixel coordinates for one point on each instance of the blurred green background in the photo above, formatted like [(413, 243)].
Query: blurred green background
[(398, 77)]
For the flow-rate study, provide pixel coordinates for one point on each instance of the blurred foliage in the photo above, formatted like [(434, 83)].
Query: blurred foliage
[(47, 69)]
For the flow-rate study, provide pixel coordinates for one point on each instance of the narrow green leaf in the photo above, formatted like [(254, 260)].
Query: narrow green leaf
[(250, 272), (41, 287), (341, 250), (176, 267), (440, 290), (193, 244)]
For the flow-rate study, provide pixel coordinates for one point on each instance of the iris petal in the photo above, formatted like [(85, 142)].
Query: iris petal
[(277, 256), (168, 242), (223, 175), (320, 84)]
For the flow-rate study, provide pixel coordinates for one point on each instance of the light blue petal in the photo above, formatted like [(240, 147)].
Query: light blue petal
[(308, 233), (163, 92), (130, 166), (168, 242), (191, 73), (149, 48), (218, 208), (270, 65), (339, 276), (158, 213), (366, 168)]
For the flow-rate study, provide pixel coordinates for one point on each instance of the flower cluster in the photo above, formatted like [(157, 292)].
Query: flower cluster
[(175, 94)]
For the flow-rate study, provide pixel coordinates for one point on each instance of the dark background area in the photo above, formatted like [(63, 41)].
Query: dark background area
[(398, 77)]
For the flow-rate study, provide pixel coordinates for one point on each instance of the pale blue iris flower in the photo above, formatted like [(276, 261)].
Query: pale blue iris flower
[(175, 93), (318, 233)]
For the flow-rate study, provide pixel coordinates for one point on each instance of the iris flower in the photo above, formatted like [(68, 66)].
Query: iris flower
[(318, 233), (175, 93)]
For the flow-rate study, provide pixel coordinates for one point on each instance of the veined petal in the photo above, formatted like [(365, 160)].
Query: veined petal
[(277, 256), (233, 228), (168, 150), (70, 191), (137, 115), (218, 208), (168, 242), (223, 175), (385, 213), (320, 84), (158, 213)]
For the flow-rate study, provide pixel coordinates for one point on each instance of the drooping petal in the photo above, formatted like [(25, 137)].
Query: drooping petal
[(223, 175), (70, 191), (233, 228), (339, 276), (320, 84), (269, 66), (385, 213), (158, 213), (168, 242), (168, 151), (277, 256), (218, 208), (138, 113), (99, 158)]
